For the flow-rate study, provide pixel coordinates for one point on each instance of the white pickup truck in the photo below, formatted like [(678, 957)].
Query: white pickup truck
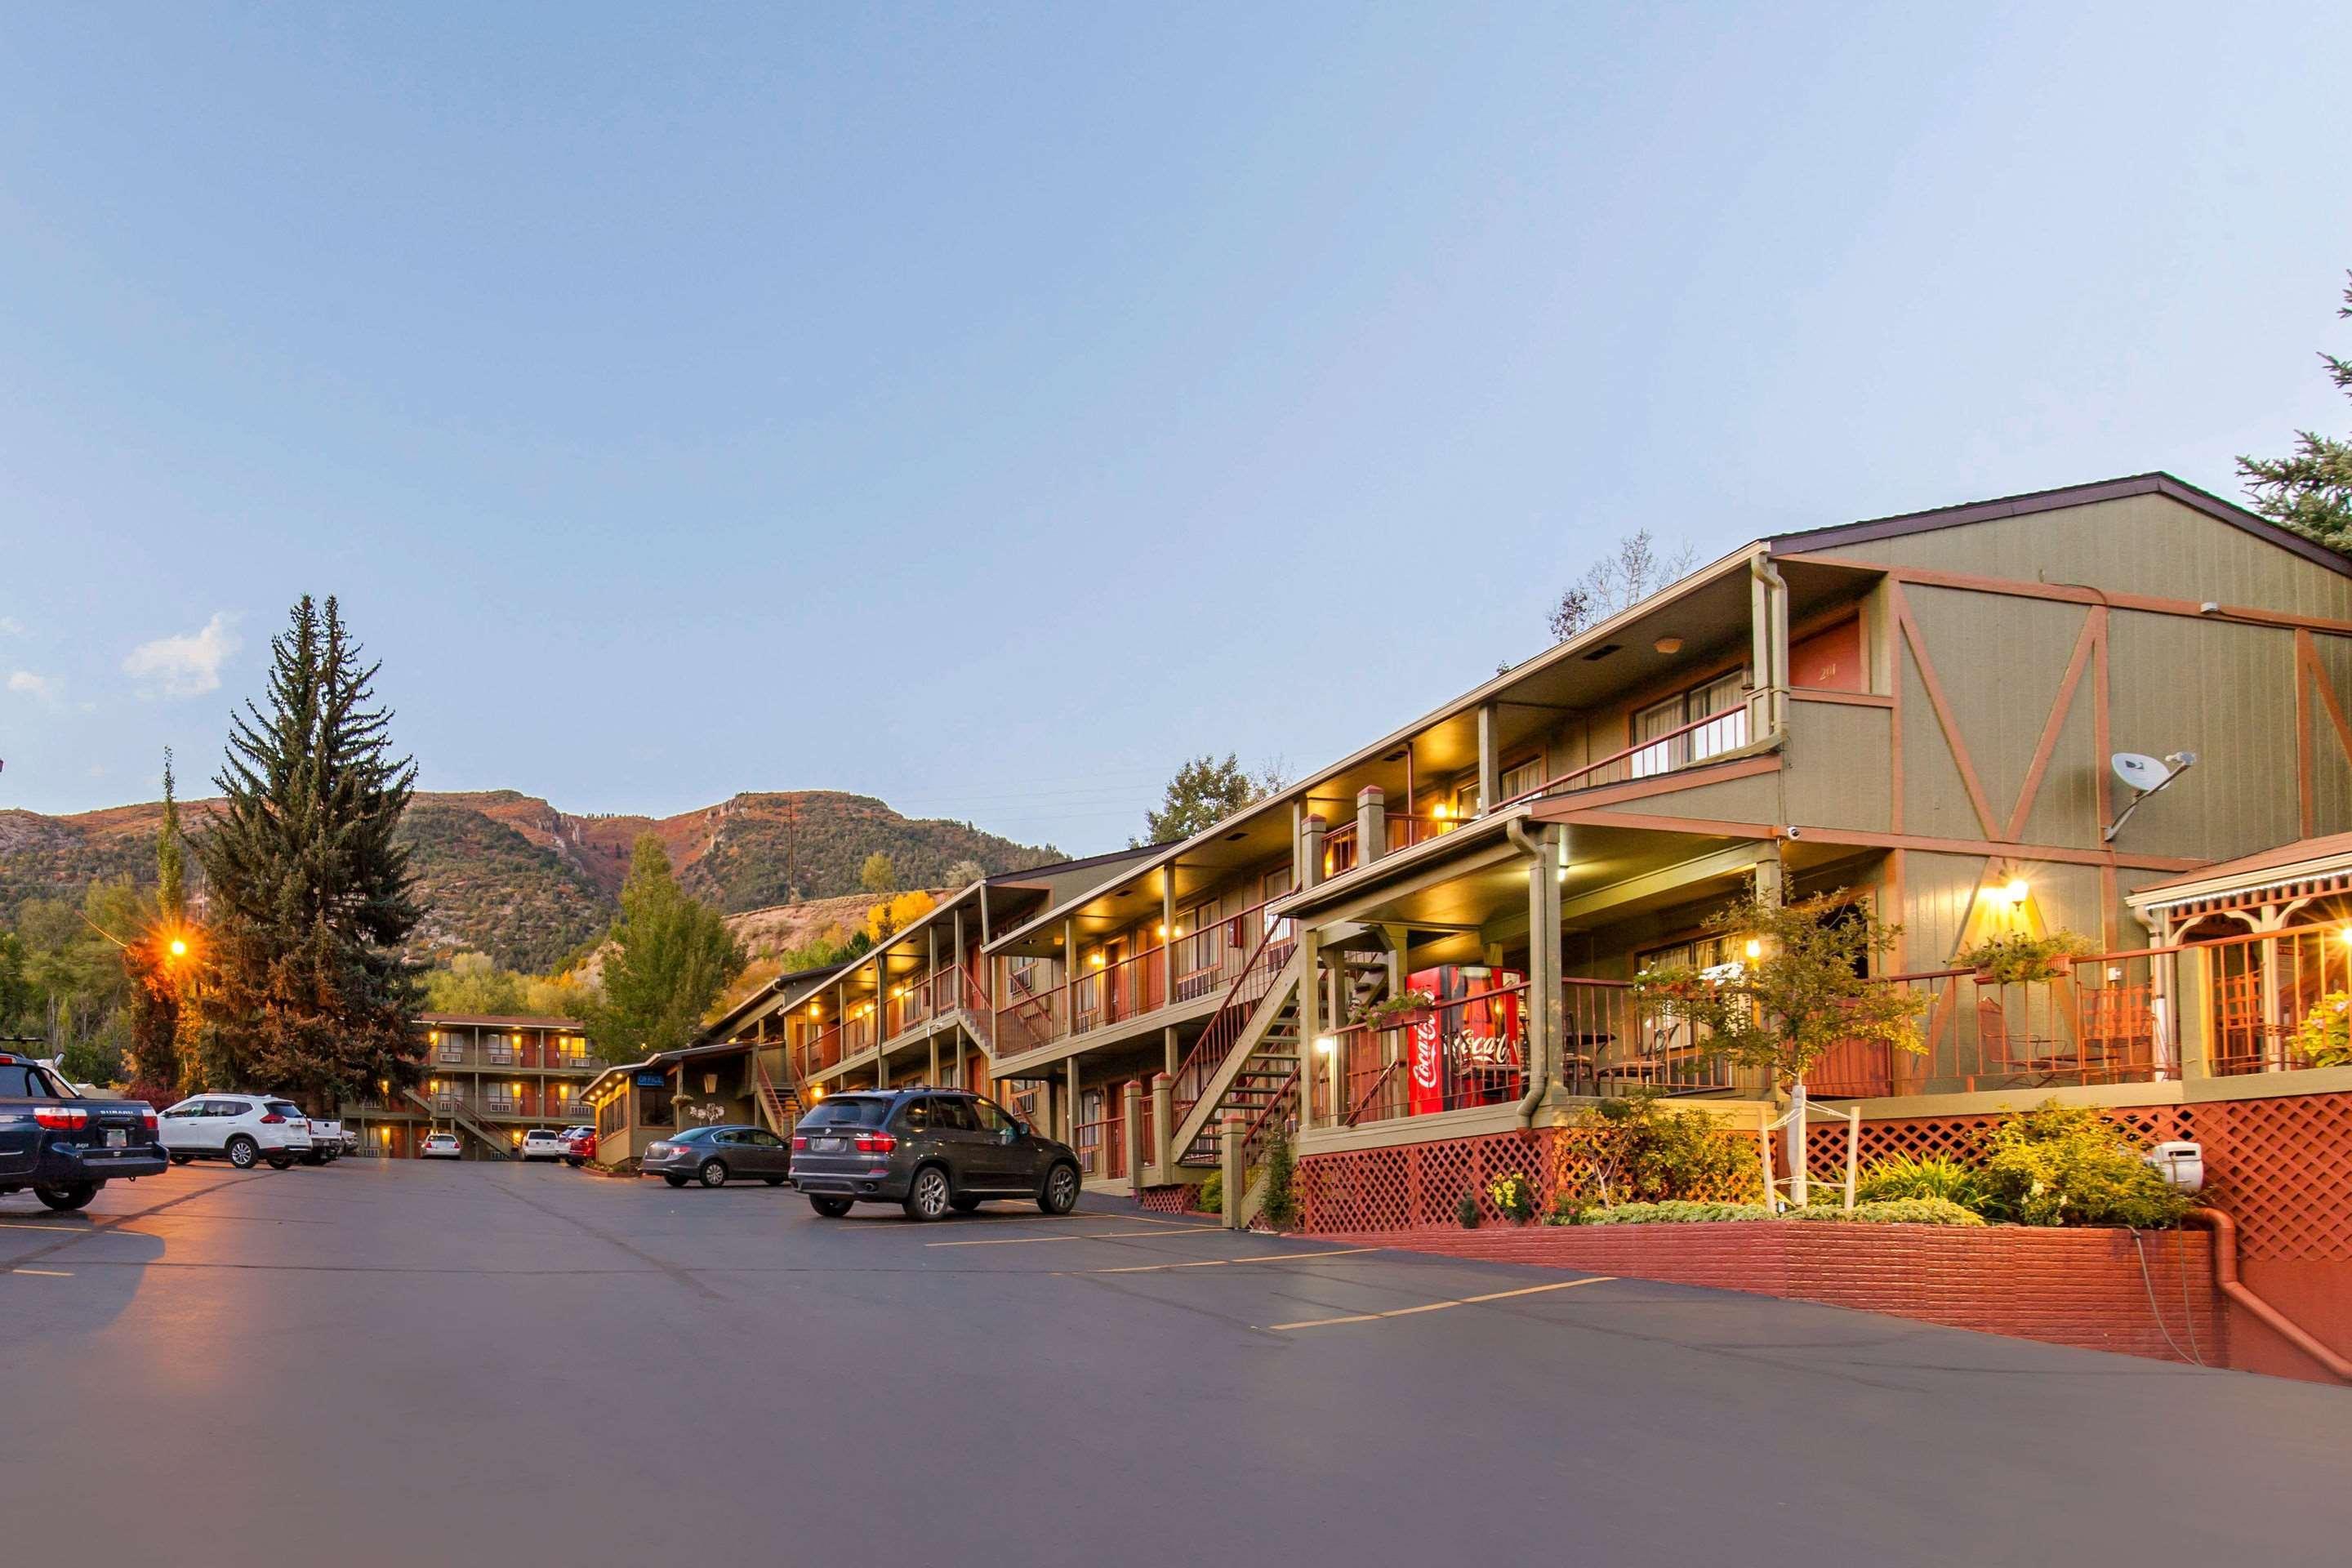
[(326, 1141)]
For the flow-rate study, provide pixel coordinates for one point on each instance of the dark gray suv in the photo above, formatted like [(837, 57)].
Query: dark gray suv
[(931, 1150)]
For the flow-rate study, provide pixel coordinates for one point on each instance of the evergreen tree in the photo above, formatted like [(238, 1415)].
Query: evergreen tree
[(160, 1017), (2311, 491), (673, 958), (311, 896)]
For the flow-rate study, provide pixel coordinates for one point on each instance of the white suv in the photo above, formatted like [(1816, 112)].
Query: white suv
[(243, 1129), (542, 1143)]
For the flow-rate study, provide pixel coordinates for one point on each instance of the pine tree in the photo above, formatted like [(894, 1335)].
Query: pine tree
[(161, 1014), (312, 898), (674, 957), (2311, 491)]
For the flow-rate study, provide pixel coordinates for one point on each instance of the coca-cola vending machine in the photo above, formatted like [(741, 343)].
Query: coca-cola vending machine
[(1471, 1049)]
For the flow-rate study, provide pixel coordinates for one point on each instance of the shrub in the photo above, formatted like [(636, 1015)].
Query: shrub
[(1513, 1198), (2324, 1038), (1211, 1198), (1466, 1210), (1639, 1152), (1896, 1211), (1280, 1210), (2072, 1165), (1900, 1177), (1668, 1214)]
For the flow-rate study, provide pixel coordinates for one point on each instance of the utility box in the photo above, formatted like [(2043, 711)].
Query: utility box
[(2180, 1162)]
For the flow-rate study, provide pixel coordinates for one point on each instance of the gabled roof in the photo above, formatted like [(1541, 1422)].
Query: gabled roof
[(2158, 483)]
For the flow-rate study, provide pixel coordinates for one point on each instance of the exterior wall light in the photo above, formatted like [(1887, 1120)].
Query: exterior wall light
[(1668, 645), (1326, 1045), (1755, 948), (2016, 890)]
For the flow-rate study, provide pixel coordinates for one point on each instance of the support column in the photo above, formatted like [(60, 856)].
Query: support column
[(1490, 761), (1167, 1051), (1168, 935), (1371, 824), (1069, 976), (1130, 1133), (934, 1077), (1070, 1111), (1545, 1013), (1310, 839), (1236, 1181), (1311, 1059), (1163, 1124)]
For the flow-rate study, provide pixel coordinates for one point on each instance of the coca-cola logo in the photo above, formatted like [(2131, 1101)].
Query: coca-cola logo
[(1425, 1054)]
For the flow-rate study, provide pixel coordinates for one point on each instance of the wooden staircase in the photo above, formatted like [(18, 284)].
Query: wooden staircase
[(780, 1104), (500, 1144)]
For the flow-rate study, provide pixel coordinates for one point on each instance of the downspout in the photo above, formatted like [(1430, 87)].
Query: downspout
[(1772, 671), (1540, 1073), (2225, 1275)]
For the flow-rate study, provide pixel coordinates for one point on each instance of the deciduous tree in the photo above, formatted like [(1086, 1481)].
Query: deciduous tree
[(1203, 793), (672, 957), (879, 875), (1636, 569)]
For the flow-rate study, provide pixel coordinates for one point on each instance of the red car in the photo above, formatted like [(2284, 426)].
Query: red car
[(578, 1146)]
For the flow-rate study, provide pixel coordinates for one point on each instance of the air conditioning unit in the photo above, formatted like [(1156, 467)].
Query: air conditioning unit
[(2180, 1162)]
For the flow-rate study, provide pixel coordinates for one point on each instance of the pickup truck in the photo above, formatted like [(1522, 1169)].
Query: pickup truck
[(327, 1144), (66, 1147)]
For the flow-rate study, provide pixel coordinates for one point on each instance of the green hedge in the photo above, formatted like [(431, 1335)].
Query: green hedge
[(1904, 1210)]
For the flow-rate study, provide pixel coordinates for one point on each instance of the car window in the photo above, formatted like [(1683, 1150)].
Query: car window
[(846, 1111), (225, 1108), (952, 1113), (916, 1117), (285, 1108), (763, 1140), (991, 1116), (22, 1080), (186, 1108)]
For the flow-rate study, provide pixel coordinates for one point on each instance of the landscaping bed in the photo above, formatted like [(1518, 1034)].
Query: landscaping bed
[(2069, 1286)]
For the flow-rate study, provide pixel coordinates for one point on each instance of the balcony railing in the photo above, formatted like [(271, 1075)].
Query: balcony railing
[(1465, 1053), (1343, 853), (1686, 745)]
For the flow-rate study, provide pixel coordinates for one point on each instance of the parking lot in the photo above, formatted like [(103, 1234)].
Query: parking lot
[(402, 1362)]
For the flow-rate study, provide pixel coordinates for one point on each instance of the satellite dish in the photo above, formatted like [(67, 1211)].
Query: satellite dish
[(2144, 775)]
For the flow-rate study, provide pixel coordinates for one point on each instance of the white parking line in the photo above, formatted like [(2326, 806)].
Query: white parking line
[(1223, 1262), (1440, 1306), (1073, 1236), (46, 1273)]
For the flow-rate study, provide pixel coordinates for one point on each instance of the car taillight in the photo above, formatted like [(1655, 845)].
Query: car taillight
[(273, 1119), (62, 1118), (876, 1143), (799, 1141), (153, 1123)]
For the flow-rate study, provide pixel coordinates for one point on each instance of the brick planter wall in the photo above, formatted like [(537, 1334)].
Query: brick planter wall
[(2080, 1288)]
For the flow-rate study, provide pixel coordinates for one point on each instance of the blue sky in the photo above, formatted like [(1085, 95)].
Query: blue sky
[(986, 408)]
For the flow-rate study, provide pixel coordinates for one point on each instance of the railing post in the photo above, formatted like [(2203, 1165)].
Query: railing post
[(1131, 1134), (1163, 1123), (1371, 824), (1310, 1026), (1311, 840), (1236, 1177), (1490, 763)]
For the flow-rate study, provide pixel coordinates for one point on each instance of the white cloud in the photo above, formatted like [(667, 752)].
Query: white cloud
[(186, 666), (41, 689)]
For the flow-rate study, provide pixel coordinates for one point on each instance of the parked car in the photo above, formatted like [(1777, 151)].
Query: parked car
[(930, 1149), (542, 1143), (578, 1146), (440, 1146), (243, 1129), (716, 1155), (64, 1146), (326, 1141)]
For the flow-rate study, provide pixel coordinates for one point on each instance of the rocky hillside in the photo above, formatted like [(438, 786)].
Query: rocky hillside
[(507, 874)]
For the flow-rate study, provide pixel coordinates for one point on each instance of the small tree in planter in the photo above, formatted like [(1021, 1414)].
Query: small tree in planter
[(1805, 990)]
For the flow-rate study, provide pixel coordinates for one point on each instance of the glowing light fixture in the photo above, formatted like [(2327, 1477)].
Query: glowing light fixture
[(1668, 645), (1755, 948), (2016, 890), (1441, 811), (1326, 1045), (179, 948)]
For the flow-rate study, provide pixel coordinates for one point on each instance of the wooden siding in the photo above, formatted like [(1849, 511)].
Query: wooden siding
[(2227, 692), (2141, 544)]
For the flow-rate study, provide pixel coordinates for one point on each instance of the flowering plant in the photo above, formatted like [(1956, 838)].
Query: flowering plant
[(1390, 1009), (1512, 1196), (2324, 1038)]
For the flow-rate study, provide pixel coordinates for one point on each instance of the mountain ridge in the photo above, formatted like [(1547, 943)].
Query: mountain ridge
[(514, 876)]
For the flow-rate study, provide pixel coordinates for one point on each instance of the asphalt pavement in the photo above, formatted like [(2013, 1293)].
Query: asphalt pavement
[(394, 1362)]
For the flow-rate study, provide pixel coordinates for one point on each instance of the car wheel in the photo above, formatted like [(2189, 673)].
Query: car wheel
[(675, 1181), (68, 1198), (282, 1161), (773, 1180), (930, 1196), (713, 1174), (182, 1159), (1060, 1193), (963, 1205), (831, 1208), (242, 1152)]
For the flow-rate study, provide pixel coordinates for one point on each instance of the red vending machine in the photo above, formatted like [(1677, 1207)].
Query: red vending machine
[(1472, 1049)]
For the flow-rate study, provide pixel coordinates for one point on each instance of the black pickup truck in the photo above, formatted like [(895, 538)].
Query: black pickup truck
[(65, 1147)]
